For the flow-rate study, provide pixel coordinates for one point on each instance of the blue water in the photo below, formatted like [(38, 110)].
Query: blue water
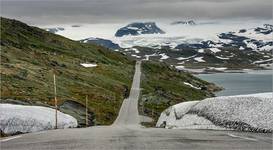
[(241, 83)]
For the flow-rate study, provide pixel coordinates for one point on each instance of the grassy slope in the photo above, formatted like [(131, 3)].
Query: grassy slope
[(30, 55), (164, 86)]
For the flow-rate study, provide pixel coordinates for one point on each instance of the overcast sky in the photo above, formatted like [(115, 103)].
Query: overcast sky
[(108, 11)]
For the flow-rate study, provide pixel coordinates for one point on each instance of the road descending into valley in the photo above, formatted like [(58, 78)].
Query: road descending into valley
[(126, 133)]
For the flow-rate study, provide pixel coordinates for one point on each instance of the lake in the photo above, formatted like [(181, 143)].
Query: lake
[(256, 81)]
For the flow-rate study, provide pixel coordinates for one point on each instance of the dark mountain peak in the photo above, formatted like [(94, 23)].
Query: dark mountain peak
[(102, 42), (139, 28)]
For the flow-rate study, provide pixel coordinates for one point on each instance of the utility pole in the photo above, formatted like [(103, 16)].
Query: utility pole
[(56, 102), (86, 111)]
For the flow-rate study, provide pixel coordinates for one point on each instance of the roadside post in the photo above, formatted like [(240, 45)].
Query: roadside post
[(87, 65), (56, 102), (86, 111)]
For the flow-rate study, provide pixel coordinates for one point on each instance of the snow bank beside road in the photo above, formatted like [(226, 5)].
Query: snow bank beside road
[(24, 119), (243, 112), (170, 115)]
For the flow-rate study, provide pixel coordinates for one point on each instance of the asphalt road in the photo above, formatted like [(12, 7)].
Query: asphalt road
[(126, 133)]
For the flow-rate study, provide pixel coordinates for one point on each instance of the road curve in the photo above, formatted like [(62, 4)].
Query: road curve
[(127, 134)]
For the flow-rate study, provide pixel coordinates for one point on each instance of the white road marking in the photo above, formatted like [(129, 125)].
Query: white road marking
[(11, 138), (242, 137)]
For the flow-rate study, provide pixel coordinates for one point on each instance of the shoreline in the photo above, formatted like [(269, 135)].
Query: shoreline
[(204, 71)]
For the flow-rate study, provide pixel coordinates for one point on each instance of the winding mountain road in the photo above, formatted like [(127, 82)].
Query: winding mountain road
[(126, 133)]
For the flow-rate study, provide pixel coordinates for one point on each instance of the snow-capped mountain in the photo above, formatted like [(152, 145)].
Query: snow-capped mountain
[(190, 22), (259, 39), (218, 45), (139, 28), (102, 42), (54, 30), (246, 48)]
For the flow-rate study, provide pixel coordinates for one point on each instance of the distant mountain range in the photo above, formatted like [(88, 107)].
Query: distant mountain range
[(190, 22), (243, 39), (139, 28), (245, 48)]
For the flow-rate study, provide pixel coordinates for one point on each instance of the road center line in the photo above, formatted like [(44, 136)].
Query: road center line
[(242, 137), (11, 138)]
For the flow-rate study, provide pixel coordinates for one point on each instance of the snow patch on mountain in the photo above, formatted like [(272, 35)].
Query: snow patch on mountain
[(186, 83), (186, 58), (147, 57), (136, 56), (180, 67), (259, 33), (88, 65), (215, 50), (199, 59), (201, 50), (223, 58)]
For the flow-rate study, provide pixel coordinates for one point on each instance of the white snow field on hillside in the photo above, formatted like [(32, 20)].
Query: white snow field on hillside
[(24, 119), (252, 112)]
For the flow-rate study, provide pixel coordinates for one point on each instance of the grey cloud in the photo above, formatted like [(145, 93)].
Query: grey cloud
[(103, 11)]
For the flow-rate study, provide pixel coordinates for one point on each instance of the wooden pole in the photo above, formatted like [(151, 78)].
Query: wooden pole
[(143, 110), (56, 102), (152, 111), (86, 110)]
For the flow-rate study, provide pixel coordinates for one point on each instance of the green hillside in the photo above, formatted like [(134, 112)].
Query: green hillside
[(30, 55)]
